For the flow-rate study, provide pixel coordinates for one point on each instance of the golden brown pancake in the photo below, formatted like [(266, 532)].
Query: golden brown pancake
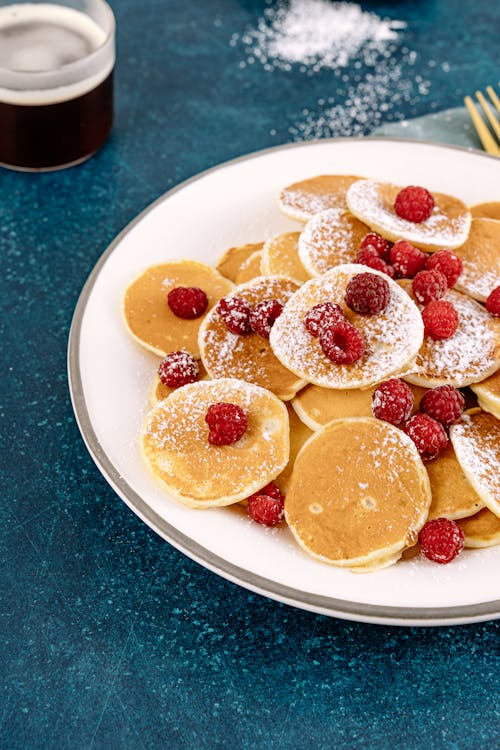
[(302, 200), (476, 440), (174, 443), (330, 238), (490, 210), (481, 530), (393, 337), (317, 406), (480, 256), (488, 394), (469, 356), (147, 315), (359, 493), (249, 357), (281, 257), (230, 263), (373, 203), (250, 268), (452, 494)]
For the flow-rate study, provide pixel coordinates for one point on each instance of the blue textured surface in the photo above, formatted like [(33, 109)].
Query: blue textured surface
[(110, 637)]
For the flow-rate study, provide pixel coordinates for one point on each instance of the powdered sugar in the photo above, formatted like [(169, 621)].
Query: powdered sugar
[(478, 282), (468, 356), (316, 34), (440, 229), (249, 357), (175, 442), (392, 338), (330, 238), (476, 440)]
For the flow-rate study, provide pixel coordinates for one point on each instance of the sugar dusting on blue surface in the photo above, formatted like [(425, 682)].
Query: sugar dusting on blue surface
[(317, 35)]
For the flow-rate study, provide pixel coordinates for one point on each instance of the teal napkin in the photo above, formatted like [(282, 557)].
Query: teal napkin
[(451, 126)]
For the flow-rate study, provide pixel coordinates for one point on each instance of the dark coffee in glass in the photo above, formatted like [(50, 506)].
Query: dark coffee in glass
[(56, 82)]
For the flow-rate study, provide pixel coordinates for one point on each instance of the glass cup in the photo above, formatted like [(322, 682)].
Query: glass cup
[(56, 82)]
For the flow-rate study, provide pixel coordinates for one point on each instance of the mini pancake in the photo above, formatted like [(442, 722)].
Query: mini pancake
[(249, 357), (330, 238), (392, 337), (480, 256), (230, 263), (250, 268), (302, 200), (317, 406), (476, 440), (373, 203), (452, 494), (281, 257), (299, 433), (488, 394), (489, 210), (147, 315), (481, 530), (174, 443), (469, 356), (159, 391), (359, 493)]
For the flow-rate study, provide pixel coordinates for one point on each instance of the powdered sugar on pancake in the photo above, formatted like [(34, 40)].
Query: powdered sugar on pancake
[(392, 337), (174, 442), (249, 357), (303, 200), (480, 256), (478, 285), (448, 225), (330, 238), (476, 440), (469, 356)]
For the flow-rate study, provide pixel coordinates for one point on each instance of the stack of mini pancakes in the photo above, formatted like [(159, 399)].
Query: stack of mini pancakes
[(357, 491)]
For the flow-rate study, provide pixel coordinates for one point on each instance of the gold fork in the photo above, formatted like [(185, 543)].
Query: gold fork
[(489, 143)]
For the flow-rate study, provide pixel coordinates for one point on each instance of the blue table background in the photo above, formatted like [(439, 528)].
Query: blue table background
[(111, 638)]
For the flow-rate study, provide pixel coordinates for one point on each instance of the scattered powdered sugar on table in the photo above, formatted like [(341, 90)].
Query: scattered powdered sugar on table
[(363, 102), (375, 72), (316, 34)]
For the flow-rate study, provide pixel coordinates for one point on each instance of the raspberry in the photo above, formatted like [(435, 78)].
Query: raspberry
[(368, 256), (263, 316), (235, 312), (271, 490), (444, 403), (493, 302), (342, 343), (378, 243), (187, 302), (429, 285), (392, 401), (441, 540), (406, 259), (440, 319), (414, 204), (178, 368), (427, 434), (266, 509), (322, 315), (446, 262), (227, 423), (367, 294)]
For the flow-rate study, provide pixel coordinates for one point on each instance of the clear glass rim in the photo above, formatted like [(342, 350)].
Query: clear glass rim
[(74, 72)]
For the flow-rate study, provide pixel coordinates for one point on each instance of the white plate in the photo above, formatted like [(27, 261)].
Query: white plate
[(110, 377)]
